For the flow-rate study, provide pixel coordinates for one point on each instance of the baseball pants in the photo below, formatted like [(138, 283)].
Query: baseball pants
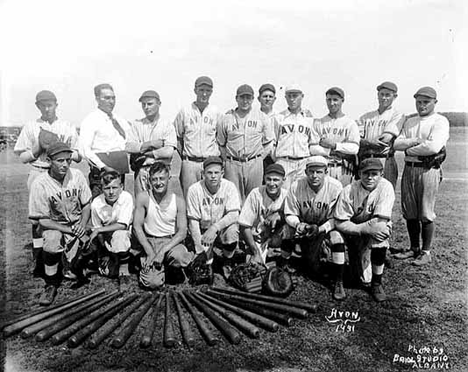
[(391, 171), (177, 256), (56, 242), (419, 187), (342, 173), (246, 175), (294, 169), (191, 172)]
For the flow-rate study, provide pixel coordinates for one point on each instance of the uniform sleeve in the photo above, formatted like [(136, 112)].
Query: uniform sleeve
[(179, 124), (268, 134), (344, 207), (314, 147), (249, 212), (395, 124), (385, 201), (87, 132), (221, 136), (351, 144), (39, 206), (126, 210), (193, 205), (435, 141), (86, 195), (403, 141), (95, 219), (233, 199), (133, 144), (25, 139), (74, 141), (291, 204), (333, 201), (170, 137)]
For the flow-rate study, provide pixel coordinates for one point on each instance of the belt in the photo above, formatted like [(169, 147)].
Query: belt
[(243, 160), (194, 158), (377, 156), (335, 164), (415, 164), (293, 158)]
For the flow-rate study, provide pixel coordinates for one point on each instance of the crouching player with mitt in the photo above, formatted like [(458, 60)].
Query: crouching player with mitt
[(309, 211), (213, 206), (261, 220), (60, 201), (362, 215), (111, 218), (160, 225)]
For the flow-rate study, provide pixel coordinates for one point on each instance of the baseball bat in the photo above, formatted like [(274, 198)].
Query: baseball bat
[(18, 326), (145, 341), (202, 327), (285, 309), (248, 328), (257, 319), (226, 329), (79, 327), (46, 333), (185, 328), (42, 310), (169, 336), (311, 308), (128, 330), (283, 319), (36, 327), (101, 333)]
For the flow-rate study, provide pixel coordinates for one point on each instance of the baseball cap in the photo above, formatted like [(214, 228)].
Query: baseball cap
[(244, 89), (45, 95), (370, 164), (212, 160), (275, 168), (204, 80), (388, 85), (426, 92), (265, 87), (335, 90), (150, 94), (293, 88), (57, 148), (316, 161)]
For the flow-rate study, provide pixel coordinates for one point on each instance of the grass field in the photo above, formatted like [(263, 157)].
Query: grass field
[(427, 306)]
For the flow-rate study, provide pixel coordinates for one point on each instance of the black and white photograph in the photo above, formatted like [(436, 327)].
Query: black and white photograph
[(233, 186)]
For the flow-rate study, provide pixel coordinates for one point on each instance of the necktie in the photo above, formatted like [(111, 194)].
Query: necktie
[(117, 126)]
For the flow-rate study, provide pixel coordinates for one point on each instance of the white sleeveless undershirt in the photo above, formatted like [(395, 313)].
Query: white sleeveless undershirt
[(161, 221)]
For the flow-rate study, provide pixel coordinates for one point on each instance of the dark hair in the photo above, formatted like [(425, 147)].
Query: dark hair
[(108, 176), (98, 88), (159, 166)]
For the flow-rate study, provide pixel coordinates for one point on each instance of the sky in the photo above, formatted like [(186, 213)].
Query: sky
[(71, 46)]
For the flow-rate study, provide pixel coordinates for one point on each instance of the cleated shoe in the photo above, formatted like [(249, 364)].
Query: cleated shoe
[(378, 292), (423, 259), (405, 254), (48, 295), (339, 292)]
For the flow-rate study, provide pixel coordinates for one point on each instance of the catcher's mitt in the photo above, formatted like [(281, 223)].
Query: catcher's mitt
[(47, 138), (199, 272), (277, 282), (243, 274)]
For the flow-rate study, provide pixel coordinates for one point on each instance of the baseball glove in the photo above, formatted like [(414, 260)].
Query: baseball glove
[(277, 282), (199, 272), (47, 138), (243, 274)]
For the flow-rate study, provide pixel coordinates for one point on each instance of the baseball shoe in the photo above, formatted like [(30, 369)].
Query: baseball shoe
[(405, 254), (423, 259), (378, 292), (285, 264), (339, 292), (48, 295)]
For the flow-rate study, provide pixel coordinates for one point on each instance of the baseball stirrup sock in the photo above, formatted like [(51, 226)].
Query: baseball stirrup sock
[(427, 234), (414, 229)]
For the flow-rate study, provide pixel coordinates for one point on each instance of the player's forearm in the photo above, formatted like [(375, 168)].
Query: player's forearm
[(319, 150), (48, 224), (26, 156), (133, 147), (76, 156), (426, 148), (195, 232), (227, 220), (267, 149), (162, 153), (111, 228), (401, 144), (348, 227), (85, 214), (292, 220), (246, 232), (348, 148), (327, 226)]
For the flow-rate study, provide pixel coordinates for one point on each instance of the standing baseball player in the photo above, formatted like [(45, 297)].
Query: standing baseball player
[(150, 139), (309, 208), (379, 128), (261, 220), (267, 98), (213, 207), (60, 201), (293, 136), (196, 133), (337, 138), (31, 147), (423, 139), (363, 216), (160, 225), (244, 136), (103, 136)]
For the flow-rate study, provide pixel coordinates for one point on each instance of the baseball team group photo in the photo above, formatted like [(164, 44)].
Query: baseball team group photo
[(234, 225)]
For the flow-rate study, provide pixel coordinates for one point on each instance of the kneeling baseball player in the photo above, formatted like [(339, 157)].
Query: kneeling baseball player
[(363, 217), (60, 202), (160, 225)]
